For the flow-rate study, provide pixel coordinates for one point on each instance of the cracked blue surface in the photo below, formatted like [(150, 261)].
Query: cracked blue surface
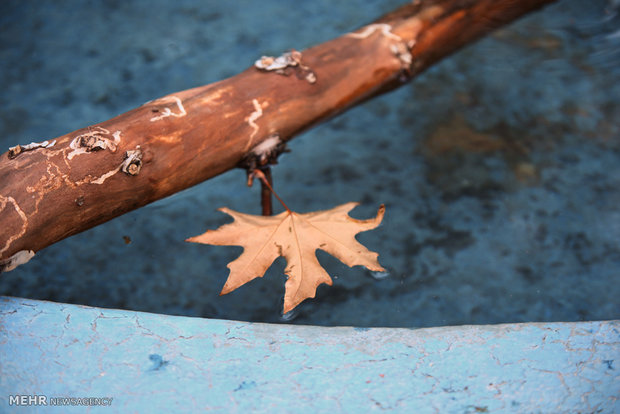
[(499, 167), (159, 363)]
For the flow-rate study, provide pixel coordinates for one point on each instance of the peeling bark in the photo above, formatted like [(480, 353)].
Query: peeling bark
[(60, 187)]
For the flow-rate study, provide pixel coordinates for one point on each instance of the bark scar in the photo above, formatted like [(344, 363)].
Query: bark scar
[(400, 49), (18, 149), (131, 165), (101, 179), (4, 201), (251, 120), (264, 154), (367, 31), (19, 258), (94, 140), (166, 112), (133, 161)]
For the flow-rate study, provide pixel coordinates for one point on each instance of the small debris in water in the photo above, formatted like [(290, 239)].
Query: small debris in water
[(379, 275)]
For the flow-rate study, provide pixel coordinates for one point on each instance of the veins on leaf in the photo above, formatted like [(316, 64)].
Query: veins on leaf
[(296, 237)]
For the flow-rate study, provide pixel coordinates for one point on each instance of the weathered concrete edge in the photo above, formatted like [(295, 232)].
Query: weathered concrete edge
[(165, 363)]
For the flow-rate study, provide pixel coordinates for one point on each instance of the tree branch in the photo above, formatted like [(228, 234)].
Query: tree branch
[(57, 188)]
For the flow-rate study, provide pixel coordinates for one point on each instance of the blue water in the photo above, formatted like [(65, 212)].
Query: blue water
[(499, 167)]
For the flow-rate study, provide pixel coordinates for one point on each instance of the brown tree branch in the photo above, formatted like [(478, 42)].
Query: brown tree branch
[(60, 187)]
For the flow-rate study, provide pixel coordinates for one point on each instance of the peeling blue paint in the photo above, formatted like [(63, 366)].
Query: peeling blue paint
[(161, 363), (158, 362), (246, 385)]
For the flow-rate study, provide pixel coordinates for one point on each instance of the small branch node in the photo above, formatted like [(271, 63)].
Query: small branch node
[(133, 161), (257, 164), (264, 154), (95, 140)]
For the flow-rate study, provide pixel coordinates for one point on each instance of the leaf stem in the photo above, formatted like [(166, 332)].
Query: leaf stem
[(261, 176), (265, 192)]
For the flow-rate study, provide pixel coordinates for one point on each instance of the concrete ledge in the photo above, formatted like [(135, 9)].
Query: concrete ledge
[(160, 363)]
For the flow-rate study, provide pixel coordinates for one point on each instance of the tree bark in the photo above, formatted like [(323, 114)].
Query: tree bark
[(57, 188)]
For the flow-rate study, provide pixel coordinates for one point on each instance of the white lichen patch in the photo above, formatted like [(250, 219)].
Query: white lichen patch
[(18, 149), (264, 150), (400, 49), (288, 59), (179, 110), (19, 258), (94, 140), (282, 65)]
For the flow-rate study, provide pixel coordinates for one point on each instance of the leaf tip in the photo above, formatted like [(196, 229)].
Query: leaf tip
[(377, 268), (287, 308), (228, 211), (226, 290), (381, 211)]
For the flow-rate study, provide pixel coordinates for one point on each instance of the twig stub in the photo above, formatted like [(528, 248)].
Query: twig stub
[(263, 154), (133, 161)]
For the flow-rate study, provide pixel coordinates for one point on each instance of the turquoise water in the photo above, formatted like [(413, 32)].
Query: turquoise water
[(499, 167)]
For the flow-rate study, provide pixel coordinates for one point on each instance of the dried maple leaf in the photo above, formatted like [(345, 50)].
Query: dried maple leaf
[(296, 237)]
